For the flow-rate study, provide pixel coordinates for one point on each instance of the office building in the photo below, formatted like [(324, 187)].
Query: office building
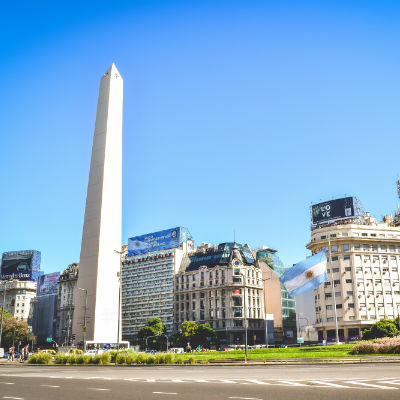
[(148, 271), (365, 269), (221, 285), (67, 284)]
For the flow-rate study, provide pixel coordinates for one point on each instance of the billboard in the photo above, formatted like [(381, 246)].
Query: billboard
[(47, 284), (162, 240), (22, 265), (333, 210)]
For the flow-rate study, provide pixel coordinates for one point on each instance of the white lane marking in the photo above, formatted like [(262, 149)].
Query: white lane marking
[(91, 377), (371, 385), (97, 389), (150, 380), (226, 381), (15, 398), (394, 382), (330, 384), (54, 386), (8, 383), (176, 380), (257, 382), (131, 379), (201, 380), (291, 383), (244, 398), (163, 393)]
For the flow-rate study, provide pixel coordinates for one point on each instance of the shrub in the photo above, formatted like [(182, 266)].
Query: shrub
[(204, 362), (150, 359), (40, 359), (121, 358), (179, 360), (80, 359), (71, 359), (378, 346), (190, 360), (159, 358), (96, 359), (169, 358), (113, 355), (141, 358), (105, 358), (60, 358), (88, 359), (130, 358)]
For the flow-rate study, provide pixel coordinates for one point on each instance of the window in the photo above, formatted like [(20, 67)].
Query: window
[(336, 282), (349, 281), (345, 247), (347, 269), (323, 237), (334, 259), (338, 306), (364, 234), (366, 246), (335, 270), (349, 293), (357, 246), (338, 294), (345, 234), (334, 248)]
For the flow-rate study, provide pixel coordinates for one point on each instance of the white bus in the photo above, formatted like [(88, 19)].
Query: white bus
[(99, 347)]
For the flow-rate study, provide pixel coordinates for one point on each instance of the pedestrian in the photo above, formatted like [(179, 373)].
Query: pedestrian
[(12, 348), (26, 352)]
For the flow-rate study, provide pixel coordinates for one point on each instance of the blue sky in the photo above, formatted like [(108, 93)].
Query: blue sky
[(237, 116)]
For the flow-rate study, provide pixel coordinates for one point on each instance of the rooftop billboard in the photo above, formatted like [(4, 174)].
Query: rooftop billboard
[(333, 210), (162, 240), (23, 265), (47, 284)]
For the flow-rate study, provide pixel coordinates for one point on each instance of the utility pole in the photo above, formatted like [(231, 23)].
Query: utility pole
[(2, 309), (119, 296), (333, 289), (265, 311), (84, 320), (245, 316)]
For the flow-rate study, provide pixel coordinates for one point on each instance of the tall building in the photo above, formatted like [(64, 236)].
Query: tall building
[(222, 285), (277, 300), (365, 269), (147, 278), (67, 287), (101, 237)]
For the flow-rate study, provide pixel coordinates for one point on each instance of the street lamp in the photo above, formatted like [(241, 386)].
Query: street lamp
[(119, 295), (245, 316), (84, 321)]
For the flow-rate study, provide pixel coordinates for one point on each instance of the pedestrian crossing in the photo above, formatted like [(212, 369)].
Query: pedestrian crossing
[(392, 383)]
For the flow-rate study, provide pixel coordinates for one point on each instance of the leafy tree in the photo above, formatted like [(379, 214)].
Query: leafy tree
[(382, 328), (14, 331), (205, 335), (188, 330), (155, 327)]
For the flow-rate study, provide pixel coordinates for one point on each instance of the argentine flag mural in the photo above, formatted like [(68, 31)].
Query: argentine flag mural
[(307, 275)]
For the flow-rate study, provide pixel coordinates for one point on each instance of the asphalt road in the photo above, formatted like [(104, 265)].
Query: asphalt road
[(292, 382)]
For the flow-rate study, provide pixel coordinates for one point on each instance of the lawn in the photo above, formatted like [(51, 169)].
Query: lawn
[(295, 352)]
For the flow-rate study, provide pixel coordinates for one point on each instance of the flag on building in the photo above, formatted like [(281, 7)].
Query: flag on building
[(307, 275)]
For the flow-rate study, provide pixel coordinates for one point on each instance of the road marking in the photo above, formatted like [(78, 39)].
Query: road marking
[(244, 398), (371, 385), (257, 382), (163, 393), (176, 380), (201, 380), (15, 398), (7, 383), (394, 382), (97, 389), (330, 384), (292, 383), (226, 381), (54, 386)]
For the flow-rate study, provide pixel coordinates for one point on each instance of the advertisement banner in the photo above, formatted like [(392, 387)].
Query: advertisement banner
[(22, 265), (333, 210), (162, 240), (47, 284)]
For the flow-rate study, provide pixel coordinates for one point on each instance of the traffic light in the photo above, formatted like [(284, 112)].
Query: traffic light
[(73, 336)]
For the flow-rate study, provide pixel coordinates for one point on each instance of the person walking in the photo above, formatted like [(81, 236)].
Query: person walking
[(12, 348)]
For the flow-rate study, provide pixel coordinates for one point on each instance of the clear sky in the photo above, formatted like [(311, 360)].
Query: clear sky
[(237, 115)]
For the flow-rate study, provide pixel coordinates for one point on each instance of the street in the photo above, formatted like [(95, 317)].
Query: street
[(297, 382)]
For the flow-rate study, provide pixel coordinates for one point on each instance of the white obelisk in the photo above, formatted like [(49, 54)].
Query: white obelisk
[(99, 263)]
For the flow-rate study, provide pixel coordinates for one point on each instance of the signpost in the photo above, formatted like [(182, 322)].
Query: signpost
[(49, 340), (300, 340)]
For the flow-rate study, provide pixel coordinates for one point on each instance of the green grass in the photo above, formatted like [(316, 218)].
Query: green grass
[(294, 352)]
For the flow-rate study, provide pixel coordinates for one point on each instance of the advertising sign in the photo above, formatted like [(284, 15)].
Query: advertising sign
[(161, 240), (333, 210), (22, 265), (47, 284)]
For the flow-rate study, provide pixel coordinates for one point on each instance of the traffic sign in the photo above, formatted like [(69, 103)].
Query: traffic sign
[(83, 329), (49, 339), (300, 340)]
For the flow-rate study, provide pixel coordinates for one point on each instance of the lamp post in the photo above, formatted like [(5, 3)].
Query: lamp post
[(265, 312), (245, 316), (84, 321), (119, 295)]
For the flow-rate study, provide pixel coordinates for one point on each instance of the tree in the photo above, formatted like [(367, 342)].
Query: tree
[(382, 328), (155, 327), (14, 331), (205, 335)]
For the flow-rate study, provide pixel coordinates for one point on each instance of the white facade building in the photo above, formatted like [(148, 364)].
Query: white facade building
[(365, 267)]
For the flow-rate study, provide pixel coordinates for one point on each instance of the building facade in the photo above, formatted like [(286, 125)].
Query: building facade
[(148, 281), (221, 285), (18, 297), (273, 268), (67, 287), (365, 270)]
